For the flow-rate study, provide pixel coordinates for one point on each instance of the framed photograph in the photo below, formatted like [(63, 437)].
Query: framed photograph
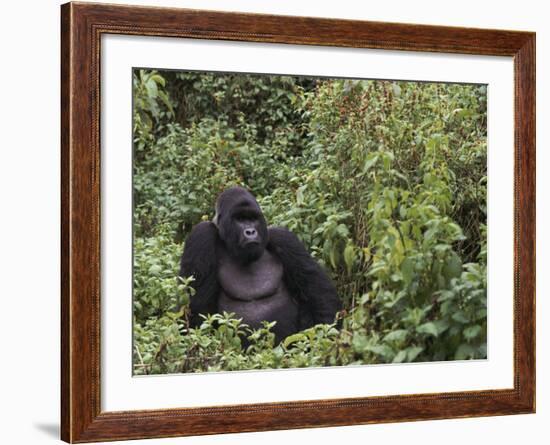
[(274, 222)]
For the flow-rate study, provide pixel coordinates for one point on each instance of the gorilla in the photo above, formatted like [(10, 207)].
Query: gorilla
[(241, 265)]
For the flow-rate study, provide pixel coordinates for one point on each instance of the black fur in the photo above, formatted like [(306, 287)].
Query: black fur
[(240, 234)]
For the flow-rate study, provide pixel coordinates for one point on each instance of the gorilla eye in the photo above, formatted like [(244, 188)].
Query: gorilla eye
[(245, 216)]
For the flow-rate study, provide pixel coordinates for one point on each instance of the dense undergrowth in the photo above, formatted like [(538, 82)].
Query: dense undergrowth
[(385, 183)]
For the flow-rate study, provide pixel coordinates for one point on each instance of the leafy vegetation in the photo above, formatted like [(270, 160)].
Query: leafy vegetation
[(384, 181)]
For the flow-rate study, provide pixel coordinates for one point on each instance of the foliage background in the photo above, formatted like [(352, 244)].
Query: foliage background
[(384, 181)]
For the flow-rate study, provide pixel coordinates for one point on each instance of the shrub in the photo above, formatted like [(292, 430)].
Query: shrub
[(385, 183)]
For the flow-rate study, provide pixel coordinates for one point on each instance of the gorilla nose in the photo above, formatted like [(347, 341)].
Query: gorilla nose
[(250, 233)]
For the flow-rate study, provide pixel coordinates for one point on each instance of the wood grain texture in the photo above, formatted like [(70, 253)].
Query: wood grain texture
[(65, 227), (81, 28)]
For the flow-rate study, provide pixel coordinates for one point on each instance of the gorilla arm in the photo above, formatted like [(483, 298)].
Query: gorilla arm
[(305, 278), (199, 260)]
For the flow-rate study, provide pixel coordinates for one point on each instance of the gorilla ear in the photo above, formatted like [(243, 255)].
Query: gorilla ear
[(216, 219)]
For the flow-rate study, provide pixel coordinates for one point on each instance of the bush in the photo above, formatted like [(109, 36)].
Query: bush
[(385, 183)]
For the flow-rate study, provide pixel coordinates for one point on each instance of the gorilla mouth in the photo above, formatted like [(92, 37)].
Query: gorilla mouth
[(251, 251)]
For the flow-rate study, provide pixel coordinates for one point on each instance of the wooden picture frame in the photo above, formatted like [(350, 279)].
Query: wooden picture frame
[(82, 25)]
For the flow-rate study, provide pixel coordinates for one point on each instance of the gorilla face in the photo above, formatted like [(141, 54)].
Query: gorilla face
[(241, 224)]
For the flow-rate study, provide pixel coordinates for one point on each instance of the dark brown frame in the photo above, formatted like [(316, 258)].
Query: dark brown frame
[(82, 25)]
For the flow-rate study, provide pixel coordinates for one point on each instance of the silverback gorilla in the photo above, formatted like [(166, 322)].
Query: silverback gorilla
[(257, 272)]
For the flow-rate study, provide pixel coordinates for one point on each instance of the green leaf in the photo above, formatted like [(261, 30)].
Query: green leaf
[(158, 79), (359, 343), (399, 335), (332, 256), (369, 163), (166, 100), (407, 270), (294, 338), (299, 196), (342, 230), (413, 352), (471, 332), (388, 158), (396, 89), (152, 89), (452, 267), (401, 355), (349, 256), (460, 317), (429, 234), (383, 350), (464, 351), (155, 269), (428, 328)]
